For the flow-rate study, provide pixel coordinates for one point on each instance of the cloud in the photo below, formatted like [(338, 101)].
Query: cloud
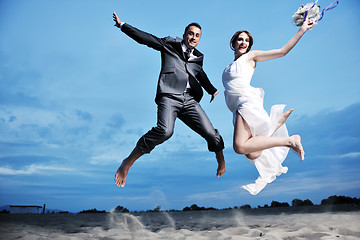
[(116, 121), (12, 119), (329, 123), (335, 133), (19, 99), (215, 195), (106, 157), (345, 155), (305, 185), (86, 116), (41, 126), (34, 169), (19, 86)]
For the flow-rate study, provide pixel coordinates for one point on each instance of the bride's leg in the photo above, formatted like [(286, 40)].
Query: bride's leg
[(254, 155), (242, 133), (244, 143)]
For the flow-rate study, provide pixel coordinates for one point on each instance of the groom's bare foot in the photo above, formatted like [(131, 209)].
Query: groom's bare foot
[(297, 146), (221, 164), (121, 174)]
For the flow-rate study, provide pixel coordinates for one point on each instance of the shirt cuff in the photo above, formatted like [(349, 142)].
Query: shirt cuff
[(121, 24)]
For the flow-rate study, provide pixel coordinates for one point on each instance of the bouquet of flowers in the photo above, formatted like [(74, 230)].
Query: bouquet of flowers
[(311, 11)]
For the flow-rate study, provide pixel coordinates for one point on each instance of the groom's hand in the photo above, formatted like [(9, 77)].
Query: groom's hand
[(213, 96), (116, 20)]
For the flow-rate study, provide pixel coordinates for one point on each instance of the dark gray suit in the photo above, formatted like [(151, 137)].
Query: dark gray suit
[(171, 97)]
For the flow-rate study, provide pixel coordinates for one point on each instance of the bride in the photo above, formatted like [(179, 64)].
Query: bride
[(262, 138)]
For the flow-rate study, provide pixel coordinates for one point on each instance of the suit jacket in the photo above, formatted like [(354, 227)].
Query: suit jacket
[(175, 69)]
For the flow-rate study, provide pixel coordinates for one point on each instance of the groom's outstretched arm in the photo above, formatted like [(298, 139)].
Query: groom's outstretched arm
[(138, 35)]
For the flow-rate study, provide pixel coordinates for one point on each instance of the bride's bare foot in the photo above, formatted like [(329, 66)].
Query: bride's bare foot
[(284, 117), (297, 146), (221, 164), (121, 174)]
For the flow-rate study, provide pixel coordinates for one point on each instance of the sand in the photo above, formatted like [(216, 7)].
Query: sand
[(212, 224)]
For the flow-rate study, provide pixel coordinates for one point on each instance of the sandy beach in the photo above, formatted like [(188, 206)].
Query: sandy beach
[(275, 223)]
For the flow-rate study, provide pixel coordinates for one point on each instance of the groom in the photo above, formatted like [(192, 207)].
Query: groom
[(179, 92)]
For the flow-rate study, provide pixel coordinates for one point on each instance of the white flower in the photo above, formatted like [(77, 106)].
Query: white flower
[(313, 14)]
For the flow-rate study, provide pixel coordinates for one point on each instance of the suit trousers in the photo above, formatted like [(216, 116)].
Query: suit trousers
[(188, 110)]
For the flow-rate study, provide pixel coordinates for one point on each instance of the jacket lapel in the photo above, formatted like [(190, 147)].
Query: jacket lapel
[(178, 47), (198, 54)]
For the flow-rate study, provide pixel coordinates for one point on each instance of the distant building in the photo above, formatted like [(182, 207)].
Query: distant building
[(25, 209)]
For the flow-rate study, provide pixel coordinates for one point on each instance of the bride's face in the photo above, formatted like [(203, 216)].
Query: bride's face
[(241, 44)]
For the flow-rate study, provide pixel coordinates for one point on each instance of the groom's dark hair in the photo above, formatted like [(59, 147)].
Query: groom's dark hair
[(192, 24)]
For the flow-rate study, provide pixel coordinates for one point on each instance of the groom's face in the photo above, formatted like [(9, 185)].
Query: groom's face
[(192, 37)]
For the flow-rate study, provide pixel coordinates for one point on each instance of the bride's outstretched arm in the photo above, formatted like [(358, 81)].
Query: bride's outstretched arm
[(258, 56)]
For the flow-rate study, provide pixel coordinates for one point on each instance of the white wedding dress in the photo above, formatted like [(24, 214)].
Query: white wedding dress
[(241, 97)]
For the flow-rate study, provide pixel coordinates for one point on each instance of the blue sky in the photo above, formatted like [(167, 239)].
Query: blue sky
[(76, 94)]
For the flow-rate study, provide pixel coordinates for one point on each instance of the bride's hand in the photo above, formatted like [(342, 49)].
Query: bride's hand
[(308, 24)]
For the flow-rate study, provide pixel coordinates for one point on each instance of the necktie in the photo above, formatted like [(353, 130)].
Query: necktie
[(187, 54)]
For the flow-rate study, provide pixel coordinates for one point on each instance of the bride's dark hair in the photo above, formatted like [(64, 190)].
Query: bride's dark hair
[(235, 37)]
